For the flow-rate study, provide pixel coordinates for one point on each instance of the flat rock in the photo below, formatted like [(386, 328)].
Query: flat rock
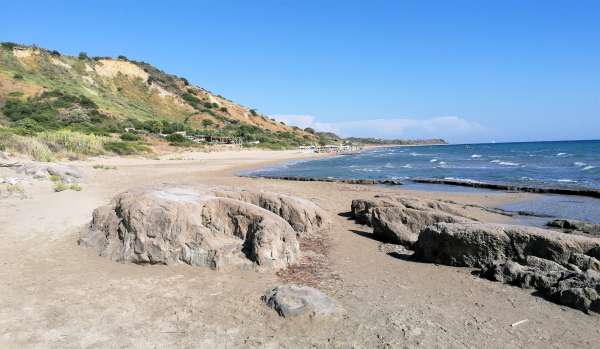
[(173, 224), (400, 219), (575, 226), (478, 244), (294, 300), (66, 173)]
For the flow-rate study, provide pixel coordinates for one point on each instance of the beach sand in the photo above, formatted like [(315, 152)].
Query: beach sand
[(55, 294)]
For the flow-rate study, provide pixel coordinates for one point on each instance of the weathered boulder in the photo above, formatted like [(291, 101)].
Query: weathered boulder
[(478, 245), (400, 219), (575, 226), (171, 224), (303, 215), (294, 300), (577, 289), (66, 173)]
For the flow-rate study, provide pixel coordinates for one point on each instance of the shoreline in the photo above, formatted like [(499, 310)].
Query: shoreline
[(46, 271)]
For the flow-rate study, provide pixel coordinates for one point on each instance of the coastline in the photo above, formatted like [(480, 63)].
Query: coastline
[(47, 272)]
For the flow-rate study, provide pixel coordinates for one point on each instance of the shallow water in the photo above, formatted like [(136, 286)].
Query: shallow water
[(570, 164)]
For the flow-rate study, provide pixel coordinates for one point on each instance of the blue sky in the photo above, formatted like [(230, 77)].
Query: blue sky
[(468, 71)]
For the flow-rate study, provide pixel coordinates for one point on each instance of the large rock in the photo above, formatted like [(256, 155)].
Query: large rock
[(562, 267), (477, 244), (172, 224), (303, 215), (574, 288), (400, 219), (294, 300)]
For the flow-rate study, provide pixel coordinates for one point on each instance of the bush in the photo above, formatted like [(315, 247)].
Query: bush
[(309, 130), (207, 122), (18, 76), (83, 56), (131, 137), (177, 138), (125, 148), (60, 186)]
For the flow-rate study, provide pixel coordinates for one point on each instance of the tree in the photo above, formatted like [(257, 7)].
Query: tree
[(309, 130), (207, 122), (83, 56)]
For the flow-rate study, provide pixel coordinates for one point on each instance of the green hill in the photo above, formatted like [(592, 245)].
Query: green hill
[(44, 92)]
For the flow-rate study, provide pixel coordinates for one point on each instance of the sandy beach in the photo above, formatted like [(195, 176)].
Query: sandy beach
[(56, 294)]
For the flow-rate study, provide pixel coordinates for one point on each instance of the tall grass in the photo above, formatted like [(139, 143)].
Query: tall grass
[(78, 143), (29, 146), (47, 145)]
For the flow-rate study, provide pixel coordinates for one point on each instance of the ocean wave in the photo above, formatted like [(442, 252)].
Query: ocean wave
[(475, 156), (407, 166), (388, 165), (566, 181), (505, 163), (562, 154), (433, 160), (587, 168), (579, 164)]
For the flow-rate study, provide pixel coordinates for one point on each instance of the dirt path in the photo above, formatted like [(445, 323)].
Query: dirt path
[(55, 294)]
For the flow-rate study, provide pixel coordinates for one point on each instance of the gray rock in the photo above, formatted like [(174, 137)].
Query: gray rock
[(294, 300), (478, 245), (171, 224), (573, 225), (303, 215), (400, 219), (579, 290), (66, 173)]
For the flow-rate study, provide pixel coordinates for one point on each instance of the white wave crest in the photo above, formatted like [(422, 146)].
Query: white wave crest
[(475, 156)]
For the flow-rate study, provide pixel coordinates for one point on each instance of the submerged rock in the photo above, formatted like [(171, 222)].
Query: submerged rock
[(294, 300), (213, 228), (575, 226), (400, 219)]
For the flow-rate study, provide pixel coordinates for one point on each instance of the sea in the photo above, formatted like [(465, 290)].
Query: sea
[(557, 164)]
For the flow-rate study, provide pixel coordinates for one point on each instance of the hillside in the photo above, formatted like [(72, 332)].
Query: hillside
[(43, 90)]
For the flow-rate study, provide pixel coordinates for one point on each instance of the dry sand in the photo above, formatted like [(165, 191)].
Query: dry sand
[(55, 294)]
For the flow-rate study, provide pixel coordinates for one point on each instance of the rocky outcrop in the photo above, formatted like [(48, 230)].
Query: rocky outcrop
[(573, 226), (294, 300), (66, 173), (303, 215), (400, 219), (201, 227), (478, 245), (562, 267)]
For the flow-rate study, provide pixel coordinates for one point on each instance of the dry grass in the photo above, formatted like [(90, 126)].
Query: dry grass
[(49, 145), (28, 146)]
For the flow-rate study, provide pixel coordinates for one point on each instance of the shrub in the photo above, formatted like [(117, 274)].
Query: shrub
[(207, 122), (130, 137), (123, 58), (83, 56), (125, 148), (253, 112), (223, 109), (177, 138), (54, 53), (9, 45), (60, 186), (309, 130), (75, 187)]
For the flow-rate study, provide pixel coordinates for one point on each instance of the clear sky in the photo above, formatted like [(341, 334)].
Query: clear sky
[(469, 71)]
